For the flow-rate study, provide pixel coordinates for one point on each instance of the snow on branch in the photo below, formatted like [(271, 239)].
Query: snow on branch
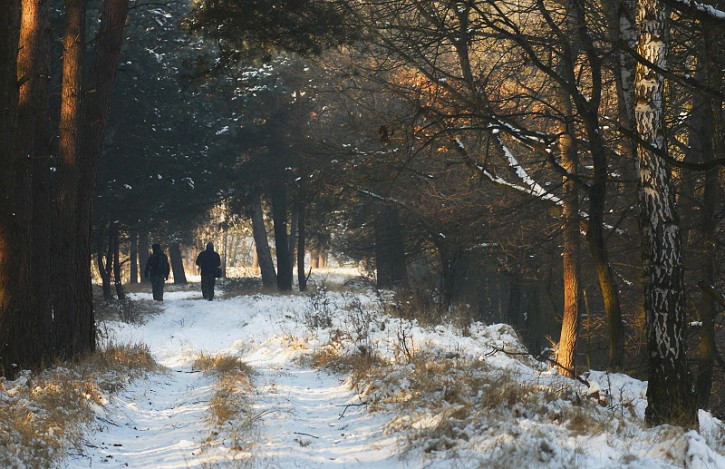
[(699, 7)]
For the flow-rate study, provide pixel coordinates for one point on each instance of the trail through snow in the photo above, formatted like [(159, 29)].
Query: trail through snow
[(305, 418)]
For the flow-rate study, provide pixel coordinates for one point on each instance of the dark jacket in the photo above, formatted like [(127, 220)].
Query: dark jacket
[(157, 265), (208, 261)]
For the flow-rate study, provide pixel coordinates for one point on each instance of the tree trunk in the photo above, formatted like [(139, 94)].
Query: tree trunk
[(117, 280), (279, 218), (34, 102), (301, 274), (261, 246), (177, 264), (106, 53), (565, 356), (143, 253), (74, 329), (17, 339), (292, 240), (314, 259), (389, 249), (669, 392), (711, 144), (103, 263), (133, 257), (449, 260)]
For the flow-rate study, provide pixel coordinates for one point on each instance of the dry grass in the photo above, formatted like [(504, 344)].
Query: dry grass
[(42, 415), (442, 401), (358, 365), (230, 412)]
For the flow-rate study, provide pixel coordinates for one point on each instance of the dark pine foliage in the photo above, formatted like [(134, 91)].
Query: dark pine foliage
[(259, 28)]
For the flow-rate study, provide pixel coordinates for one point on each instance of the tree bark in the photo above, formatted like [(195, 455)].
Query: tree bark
[(133, 257), (17, 341), (106, 54), (279, 218), (669, 392), (565, 356), (34, 99), (261, 246), (301, 235), (711, 142), (177, 264), (74, 331), (292, 240), (117, 280), (143, 253)]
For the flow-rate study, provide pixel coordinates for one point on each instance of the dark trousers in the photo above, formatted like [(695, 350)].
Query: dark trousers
[(157, 287), (207, 286)]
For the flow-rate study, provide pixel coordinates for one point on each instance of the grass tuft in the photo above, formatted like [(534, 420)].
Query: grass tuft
[(230, 411)]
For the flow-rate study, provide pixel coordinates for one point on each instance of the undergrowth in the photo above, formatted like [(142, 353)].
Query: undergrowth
[(42, 415), (449, 401)]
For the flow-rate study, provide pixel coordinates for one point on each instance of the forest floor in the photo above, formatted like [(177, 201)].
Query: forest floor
[(330, 379)]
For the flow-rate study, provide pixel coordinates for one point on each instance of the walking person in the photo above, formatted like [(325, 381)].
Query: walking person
[(210, 265), (157, 270)]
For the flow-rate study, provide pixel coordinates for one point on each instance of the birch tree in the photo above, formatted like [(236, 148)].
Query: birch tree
[(670, 398)]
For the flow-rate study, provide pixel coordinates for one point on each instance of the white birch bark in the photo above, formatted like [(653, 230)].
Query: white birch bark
[(669, 392)]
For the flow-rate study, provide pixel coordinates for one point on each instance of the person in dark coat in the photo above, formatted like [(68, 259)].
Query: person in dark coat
[(210, 264), (157, 270)]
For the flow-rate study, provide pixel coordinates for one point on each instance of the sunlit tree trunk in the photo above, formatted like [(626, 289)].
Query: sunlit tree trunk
[(33, 74), (565, 356), (669, 392), (566, 352), (587, 107), (15, 286), (69, 304)]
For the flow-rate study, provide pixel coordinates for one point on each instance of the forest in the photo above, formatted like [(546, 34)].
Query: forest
[(558, 166)]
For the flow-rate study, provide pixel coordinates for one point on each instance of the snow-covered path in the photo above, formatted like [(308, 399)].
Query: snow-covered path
[(313, 420), (304, 418)]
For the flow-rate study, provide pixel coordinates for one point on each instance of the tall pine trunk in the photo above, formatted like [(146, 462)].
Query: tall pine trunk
[(34, 112), (69, 303), (669, 392), (15, 284)]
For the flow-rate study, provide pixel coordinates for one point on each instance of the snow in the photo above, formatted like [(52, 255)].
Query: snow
[(308, 418)]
